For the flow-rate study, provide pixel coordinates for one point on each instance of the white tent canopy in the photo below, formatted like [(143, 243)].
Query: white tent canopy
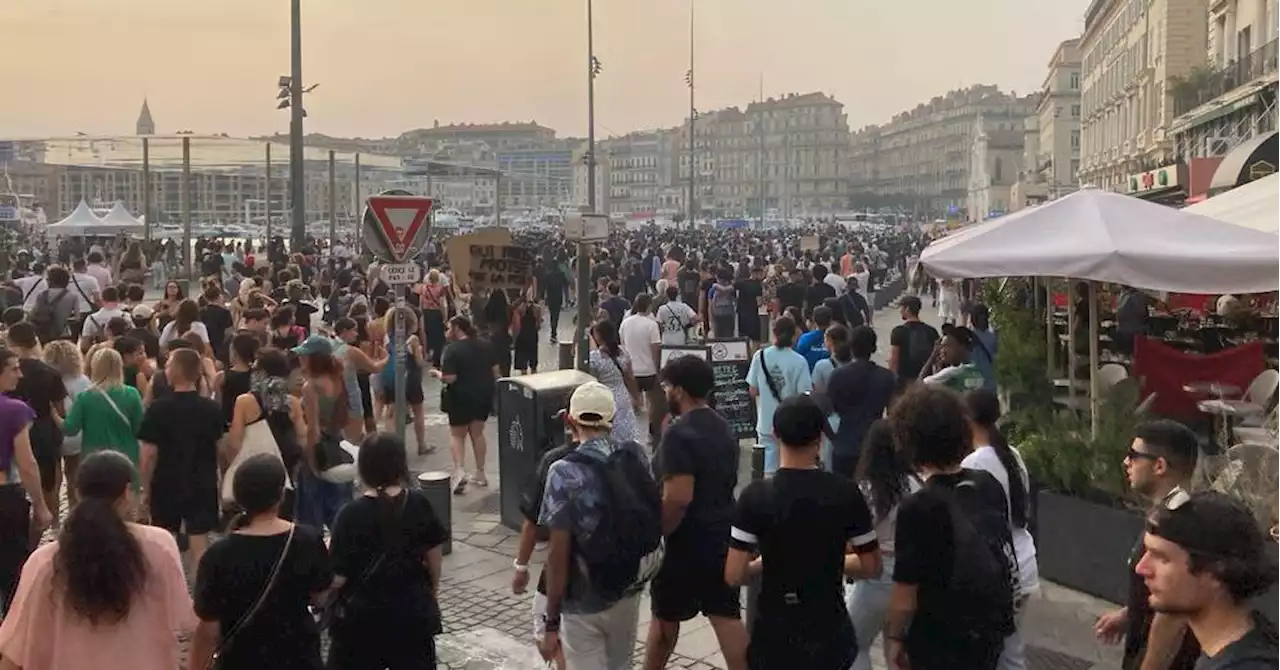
[(82, 221), (119, 220), (1108, 237), (1255, 205)]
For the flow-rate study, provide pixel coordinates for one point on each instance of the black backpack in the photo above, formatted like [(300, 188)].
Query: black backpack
[(625, 550), (984, 576)]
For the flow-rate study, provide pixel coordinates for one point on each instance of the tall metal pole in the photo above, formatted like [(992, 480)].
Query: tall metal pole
[(269, 194), (581, 331), (693, 113), (146, 190), (359, 250), (760, 128), (185, 202), (333, 203), (297, 169)]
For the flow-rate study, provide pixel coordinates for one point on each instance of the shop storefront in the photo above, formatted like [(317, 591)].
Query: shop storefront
[(1166, 185)]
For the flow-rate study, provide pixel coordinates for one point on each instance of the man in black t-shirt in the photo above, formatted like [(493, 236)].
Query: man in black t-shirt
[(800, 523), (818, 291), (750, 293), (179, 455), (912, 343), (792, 293), (697, 463)]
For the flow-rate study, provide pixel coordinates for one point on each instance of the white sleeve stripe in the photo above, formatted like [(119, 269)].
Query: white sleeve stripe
[(743, 536), (865, 538)]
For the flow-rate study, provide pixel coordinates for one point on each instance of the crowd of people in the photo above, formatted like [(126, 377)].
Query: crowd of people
[(190, 433)]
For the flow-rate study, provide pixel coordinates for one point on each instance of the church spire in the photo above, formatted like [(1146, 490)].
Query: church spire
[(145, 125)]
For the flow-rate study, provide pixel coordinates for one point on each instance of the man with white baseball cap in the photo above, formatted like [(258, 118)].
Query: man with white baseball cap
[(605, 539)]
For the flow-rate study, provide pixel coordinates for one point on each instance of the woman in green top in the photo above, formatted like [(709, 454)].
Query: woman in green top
[(109, 412)]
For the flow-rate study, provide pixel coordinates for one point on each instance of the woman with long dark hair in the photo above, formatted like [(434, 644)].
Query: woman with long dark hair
[(611, 365), (107, 588), (387, 560), (497, 319), (885, 479), (186, 324), (992, 452), (253, 586)]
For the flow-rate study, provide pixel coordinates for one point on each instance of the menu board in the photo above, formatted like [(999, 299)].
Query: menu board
[(731, 397), (730, 361)]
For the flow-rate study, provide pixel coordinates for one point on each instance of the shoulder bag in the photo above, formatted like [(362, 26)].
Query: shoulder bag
[(338, 608), (258, 439), (247, 617)]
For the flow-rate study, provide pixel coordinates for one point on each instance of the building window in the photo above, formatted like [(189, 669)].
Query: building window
[(1075, 139), (1075, 111), (1075, 81)]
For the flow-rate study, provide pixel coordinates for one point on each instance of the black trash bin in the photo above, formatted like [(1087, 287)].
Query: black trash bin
[(527, 428)]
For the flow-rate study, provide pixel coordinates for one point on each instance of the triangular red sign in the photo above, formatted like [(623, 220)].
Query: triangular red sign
[(400, 217)]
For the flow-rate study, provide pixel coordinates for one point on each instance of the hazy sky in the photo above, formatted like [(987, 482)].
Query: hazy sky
[(385, 66)]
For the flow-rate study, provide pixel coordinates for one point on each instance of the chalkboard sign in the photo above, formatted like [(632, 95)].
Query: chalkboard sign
[(731, 396)]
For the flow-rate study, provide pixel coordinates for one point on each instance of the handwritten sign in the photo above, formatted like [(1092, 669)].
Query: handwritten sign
[(731, 397), (809, 243), (494, 267), (458, 249)]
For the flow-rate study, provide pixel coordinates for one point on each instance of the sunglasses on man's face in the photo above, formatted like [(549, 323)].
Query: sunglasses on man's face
[(1133, 455)]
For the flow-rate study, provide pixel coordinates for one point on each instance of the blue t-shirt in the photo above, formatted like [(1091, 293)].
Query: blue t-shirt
[(790, 374), (813, 347)]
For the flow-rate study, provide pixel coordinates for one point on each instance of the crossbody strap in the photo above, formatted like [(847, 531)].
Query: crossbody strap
[(768, 378), (262, 598), (114, 406)]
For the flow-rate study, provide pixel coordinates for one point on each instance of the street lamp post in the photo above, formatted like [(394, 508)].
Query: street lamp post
[(693, 115), (584, 263), (297, 170)]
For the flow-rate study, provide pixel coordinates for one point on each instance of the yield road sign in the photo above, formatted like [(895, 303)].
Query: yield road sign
[(400, 221)]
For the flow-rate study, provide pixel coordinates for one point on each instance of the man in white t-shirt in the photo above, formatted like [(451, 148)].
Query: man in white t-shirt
[(96, 323), (675, 319), (641, 339)]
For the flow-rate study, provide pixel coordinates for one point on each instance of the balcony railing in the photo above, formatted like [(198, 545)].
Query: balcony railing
[(1203, 85)]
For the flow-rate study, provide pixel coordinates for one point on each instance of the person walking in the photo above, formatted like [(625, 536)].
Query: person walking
[(106, 588), (469, 374), (776, 373)]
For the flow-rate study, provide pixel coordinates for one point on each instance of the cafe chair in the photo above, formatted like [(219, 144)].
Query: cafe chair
[(1258, 398)]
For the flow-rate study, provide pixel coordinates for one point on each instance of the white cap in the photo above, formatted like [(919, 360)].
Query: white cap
[(592, 405)]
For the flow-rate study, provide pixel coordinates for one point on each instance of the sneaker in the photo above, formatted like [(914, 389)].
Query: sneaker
[(479, 480), (459, 483), (424, 450)]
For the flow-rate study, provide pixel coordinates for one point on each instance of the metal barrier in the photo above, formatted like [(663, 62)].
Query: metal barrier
[(438, 489), (753, 584)]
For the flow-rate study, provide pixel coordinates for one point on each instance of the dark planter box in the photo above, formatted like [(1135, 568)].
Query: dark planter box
[(1084, 545), (1088, 545)]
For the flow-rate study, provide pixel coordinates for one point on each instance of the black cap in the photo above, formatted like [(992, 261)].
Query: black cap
[(1211, 524)]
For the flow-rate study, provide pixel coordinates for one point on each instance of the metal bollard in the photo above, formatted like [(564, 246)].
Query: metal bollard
[(753, 584), (566, 356), (438, 488)]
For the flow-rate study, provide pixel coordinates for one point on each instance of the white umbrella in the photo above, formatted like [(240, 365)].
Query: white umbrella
[(1108, 237)]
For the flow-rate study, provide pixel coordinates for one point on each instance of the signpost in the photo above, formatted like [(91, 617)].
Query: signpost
[(396, 226)]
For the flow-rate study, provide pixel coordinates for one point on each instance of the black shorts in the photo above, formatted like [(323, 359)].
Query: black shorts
[(526, 356), (686, 587), (464, 411), (46, 446), (366, 394), (197, 509), (647, 383), (413, 394)]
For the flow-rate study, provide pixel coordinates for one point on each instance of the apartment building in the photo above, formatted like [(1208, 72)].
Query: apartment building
[(540, 175), (924, 159), (792, 149), (498, 136), (1226, 111), (578, 192), (1057, 159), (1131, 51), (642, 173)]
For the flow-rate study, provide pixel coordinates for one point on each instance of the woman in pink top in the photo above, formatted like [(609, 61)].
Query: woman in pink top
[(107, 591)]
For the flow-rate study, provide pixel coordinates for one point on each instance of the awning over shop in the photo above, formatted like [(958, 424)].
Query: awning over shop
[(1252, 159), (1255, 205)]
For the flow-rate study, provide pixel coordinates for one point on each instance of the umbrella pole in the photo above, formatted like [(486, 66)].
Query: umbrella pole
[(1071, 348), (1094, 399)]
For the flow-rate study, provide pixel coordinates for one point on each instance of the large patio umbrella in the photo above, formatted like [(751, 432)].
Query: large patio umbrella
[(1107, 237)]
